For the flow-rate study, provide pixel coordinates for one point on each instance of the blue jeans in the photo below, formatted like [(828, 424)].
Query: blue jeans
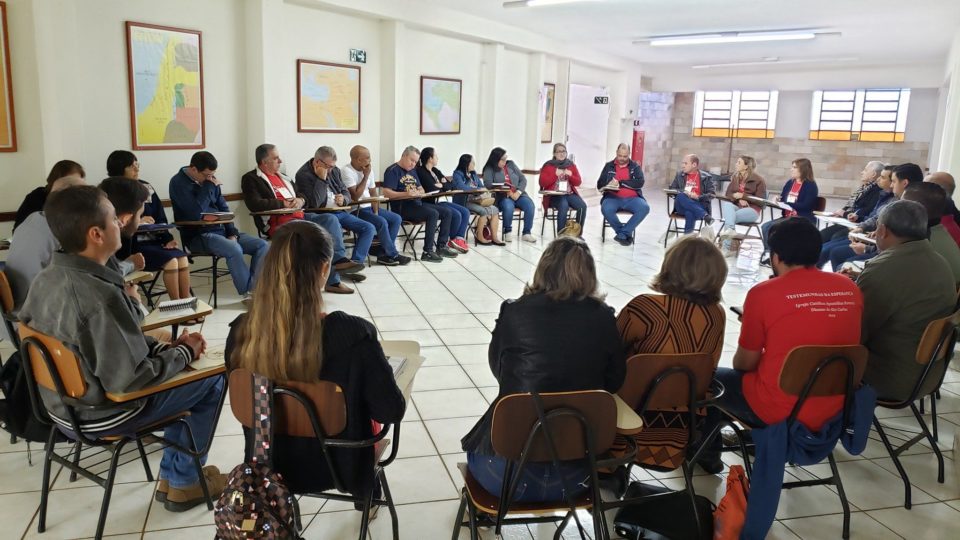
[(735, 215), (837, 250), (459, 218), (331, 224), (854, 257), (692, 211), (637, 206), (233, 252), (538, 481), (362, 229), (563, 203), (387, 224), (733, 402), (201, 399), (524, 203)]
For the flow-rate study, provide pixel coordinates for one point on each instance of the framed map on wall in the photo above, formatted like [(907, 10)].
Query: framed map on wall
[(328, 97), (8, 128), (548, 103), (440, 105), (165, 76)]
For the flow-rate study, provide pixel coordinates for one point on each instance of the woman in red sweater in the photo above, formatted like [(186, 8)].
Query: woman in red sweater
[(560, 174)]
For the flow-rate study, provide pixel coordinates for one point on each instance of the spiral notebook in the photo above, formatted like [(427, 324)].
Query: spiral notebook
[(175, 308)]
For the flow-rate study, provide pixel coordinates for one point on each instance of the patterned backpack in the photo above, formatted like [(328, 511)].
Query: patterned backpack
[(255, 503)]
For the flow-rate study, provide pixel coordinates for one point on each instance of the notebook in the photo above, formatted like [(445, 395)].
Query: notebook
[(216, 216), (176, 308), (151, 227), (211, 358), (397, 363)]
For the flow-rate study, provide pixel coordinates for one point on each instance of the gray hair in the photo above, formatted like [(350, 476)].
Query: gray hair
[(325, 152), (905, 219), (410, 150), (262, 152), (876, 167), (624, 146)]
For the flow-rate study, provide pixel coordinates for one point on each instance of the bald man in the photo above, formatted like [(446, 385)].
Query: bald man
[(951, 216), (697, 188), (359, 179), (33, 245)]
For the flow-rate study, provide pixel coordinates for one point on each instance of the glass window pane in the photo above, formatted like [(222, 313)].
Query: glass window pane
[(838, 106), (753, 124), (758, 96), (714, 105), (836, 116), (835, 126), (716, 124), (881, 106), (754, 105), (835, 95), (716, 114), (753, 115), (718, 96), (879, 117), (883, 95), (879, 126)]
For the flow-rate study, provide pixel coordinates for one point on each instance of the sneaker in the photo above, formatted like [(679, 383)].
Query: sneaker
[(446, 252), (403, 260), (530, 238), (388, 261), (430, 256), (622, 240), (727, 233), (708, 219), (183, 499), (356, 278), (458, 244), (506, 236), (339, 288)]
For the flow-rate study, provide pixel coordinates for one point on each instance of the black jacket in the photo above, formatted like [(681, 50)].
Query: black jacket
[(864, 203), (353, 359), (315, 190), (609, 173), (708, 187), (542, 345), (431, 184), (33, 202)]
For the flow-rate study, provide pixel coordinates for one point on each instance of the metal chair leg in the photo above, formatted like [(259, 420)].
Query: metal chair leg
[(688, 479), (842, 494), (472, 512), (933, 417), (108, 490), (394, 522), (365, 517), (143, 459), (931, 440), (458, 524), (76, 460), (896, 462), (45, 489)]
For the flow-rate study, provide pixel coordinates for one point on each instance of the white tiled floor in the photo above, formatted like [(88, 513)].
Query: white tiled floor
[(450, 309)]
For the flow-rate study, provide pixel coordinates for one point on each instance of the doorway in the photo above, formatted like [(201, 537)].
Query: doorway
[(587, 125)]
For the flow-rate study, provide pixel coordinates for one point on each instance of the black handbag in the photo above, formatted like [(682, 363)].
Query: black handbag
[(667, 515)]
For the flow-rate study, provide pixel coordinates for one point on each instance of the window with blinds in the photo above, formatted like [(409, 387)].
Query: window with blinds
[(878, 115), (737, 113)]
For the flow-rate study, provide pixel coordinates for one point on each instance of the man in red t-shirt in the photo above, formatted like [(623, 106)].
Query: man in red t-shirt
[(621, 183), (696, 189), (799, 306)]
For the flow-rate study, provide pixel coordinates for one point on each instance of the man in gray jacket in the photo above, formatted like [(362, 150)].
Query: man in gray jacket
[(79, 300)]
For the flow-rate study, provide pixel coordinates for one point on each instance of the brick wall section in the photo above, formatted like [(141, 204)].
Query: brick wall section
[(836, 164), (656, 120)]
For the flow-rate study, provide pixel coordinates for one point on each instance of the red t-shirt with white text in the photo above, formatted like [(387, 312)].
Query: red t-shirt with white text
[(622, 174), (692, 187), (282, 192), (802, 307)]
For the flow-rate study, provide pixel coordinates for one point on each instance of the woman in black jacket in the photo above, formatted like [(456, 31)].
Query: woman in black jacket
[(286, 336), (35, 200), (559, 336), (433, 180)]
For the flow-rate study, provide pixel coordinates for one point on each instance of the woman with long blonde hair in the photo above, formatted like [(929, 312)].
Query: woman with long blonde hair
[(559, 336), (286, 336), (744, 182)]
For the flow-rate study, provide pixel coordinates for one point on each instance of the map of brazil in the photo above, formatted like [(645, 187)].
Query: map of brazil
[(440, 105), (329, 97), (166, 87)]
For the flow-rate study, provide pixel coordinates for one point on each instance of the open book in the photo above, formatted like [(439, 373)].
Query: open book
[(397, 363), (211, 358)]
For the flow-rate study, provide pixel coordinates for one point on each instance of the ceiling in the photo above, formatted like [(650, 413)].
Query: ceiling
[(873, 32)]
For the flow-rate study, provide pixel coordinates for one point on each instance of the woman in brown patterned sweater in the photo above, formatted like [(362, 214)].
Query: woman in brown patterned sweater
[(685, 318)]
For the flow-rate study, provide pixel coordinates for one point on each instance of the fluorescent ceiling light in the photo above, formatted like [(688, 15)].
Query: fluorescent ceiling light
[(777, 61), (537, 3), (731, 37)]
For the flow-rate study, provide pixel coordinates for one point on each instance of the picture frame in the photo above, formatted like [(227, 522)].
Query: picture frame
[(8, 124), (441, 101), (171, 117), (320, 82), (547, 109)]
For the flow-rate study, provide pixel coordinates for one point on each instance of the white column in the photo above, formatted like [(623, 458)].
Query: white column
[(391, 94), (489, 88), (949, 159), (563, 101), (531, 139)]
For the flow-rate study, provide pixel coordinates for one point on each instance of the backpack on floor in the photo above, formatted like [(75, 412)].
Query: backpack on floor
[(731, 513), (255, 503), (668, 516), (16, 415)]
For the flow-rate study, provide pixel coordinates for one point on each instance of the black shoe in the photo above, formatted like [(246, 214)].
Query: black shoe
[(388, 261), (712, 464), (446, 252), (708, 219), (403, 260), (429, 256), (622, 241), (356, 278)]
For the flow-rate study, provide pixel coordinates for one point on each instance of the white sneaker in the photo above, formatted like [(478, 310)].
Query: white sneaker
[(507, 237), (530, 238), (727, 233)]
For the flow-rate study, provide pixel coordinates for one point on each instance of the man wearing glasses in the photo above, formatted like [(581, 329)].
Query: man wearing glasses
[(320, 183), (266, 188), (195, 190)]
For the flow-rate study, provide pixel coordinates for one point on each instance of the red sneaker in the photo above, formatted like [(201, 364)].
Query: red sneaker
[(458, 244)]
